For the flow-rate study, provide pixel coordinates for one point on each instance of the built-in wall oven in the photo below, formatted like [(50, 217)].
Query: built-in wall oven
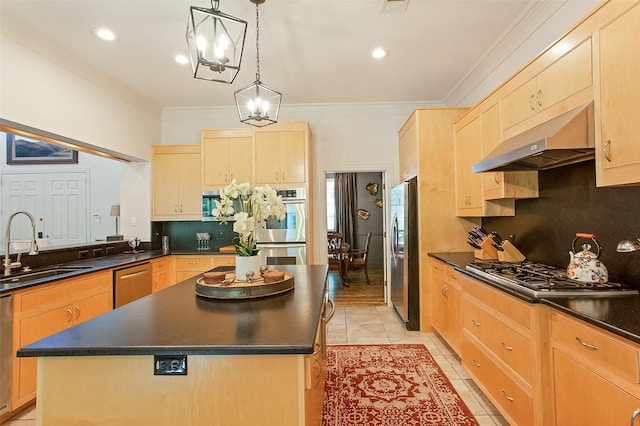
[(284, 241), (209, 199)]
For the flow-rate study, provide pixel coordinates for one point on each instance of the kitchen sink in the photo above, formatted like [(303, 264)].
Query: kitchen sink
[(43, 273)]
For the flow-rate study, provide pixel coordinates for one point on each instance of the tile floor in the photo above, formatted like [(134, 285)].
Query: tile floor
[(379, 324)]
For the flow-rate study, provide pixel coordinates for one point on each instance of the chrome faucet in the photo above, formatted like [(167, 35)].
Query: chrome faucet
[(8, 265)]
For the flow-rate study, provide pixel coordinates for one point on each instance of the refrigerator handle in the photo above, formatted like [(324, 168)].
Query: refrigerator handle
[(394, 238)]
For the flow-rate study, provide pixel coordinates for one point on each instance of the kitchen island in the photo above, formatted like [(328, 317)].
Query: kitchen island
[(248, 362)]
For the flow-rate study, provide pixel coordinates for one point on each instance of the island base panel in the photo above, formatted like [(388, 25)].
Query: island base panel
[(217, 390)]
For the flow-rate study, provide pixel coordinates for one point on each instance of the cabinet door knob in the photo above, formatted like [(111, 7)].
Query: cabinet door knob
[(70, 315), (634, 416), (509, 348), (531, 106), (476, 363), (77, 312), (476, 323)]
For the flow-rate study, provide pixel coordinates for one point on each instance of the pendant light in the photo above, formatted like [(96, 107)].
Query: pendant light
[(257, 103), (215, 41)]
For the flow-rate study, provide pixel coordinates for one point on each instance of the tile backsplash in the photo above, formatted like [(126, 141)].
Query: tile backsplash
[(182, 235), (570, 202)]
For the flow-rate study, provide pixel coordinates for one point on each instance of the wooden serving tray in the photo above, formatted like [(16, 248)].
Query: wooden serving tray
[(243, 289)]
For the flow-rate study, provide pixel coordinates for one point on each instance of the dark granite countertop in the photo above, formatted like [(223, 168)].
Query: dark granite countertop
[(176, 321), (618, 314), (100, 263), (89, 266)]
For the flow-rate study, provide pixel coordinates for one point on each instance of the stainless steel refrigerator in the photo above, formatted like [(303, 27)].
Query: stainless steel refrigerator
[(405, 271)]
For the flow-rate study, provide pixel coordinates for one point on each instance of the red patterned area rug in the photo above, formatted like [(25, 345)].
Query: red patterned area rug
[(389, 385)]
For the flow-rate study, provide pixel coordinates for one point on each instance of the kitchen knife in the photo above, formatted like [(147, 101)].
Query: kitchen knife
[(498, 247), (473, 244)]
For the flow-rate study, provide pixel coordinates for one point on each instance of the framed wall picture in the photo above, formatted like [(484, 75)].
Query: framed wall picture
[(23, 150)]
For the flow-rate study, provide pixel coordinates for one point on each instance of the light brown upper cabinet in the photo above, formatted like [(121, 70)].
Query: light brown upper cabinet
[(227, 154), (176, 181), (499, 185), (564, 84), (470, 197), (281, 154), (408, 149), (617, 91)]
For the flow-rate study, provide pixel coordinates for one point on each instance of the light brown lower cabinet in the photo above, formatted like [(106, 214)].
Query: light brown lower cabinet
[(446, 293), (161, 274), (45, 310), (595, 375), (189, 266), (514, 400), (497, 350)]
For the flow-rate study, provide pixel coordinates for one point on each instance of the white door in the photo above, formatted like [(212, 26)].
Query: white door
[(22, 191), (65, 208), (58, 201)]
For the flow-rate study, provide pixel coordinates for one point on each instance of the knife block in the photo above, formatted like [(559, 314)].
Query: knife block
[(486, 250), (510, 253)]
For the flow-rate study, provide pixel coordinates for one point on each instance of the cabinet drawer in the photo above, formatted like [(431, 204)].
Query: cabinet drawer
[(195, 263), (59, 292), (510, 346), (159, 265), (437, 269), (453, 277), (511, 307), (514, 402), (223, 260), (595, 348)]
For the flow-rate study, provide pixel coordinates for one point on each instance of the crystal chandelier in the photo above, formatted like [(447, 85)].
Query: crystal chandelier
[(215, 41), (257, 103)]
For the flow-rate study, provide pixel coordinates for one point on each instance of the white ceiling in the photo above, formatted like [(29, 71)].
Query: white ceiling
[(314, 51)]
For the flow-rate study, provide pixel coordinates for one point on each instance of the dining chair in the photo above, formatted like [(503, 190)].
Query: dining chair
[(358, 258), (336, 257)]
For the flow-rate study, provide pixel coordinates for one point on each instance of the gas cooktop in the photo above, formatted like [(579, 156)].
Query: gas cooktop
[(539, 280)]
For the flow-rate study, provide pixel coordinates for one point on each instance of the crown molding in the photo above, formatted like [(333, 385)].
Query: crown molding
[(525, 38)]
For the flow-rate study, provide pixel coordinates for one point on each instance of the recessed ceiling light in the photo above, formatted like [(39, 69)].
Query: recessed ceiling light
[(104, 34), (181, 59), (379, 53)]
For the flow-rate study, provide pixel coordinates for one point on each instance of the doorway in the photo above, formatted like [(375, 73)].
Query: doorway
[(367, 214)]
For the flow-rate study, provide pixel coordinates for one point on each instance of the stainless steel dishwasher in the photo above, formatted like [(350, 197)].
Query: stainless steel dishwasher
[(6, 313), (131, 283)]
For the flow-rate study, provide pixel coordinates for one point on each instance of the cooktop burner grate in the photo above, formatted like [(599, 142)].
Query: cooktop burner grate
[(539, 280)]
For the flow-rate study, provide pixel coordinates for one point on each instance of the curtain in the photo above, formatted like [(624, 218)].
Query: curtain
[(346, 205)]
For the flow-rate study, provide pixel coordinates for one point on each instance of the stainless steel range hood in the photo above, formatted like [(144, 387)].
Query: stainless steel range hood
[(566, 139)]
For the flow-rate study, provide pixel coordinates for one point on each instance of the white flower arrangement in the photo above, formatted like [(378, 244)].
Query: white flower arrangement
[(248, 207)]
